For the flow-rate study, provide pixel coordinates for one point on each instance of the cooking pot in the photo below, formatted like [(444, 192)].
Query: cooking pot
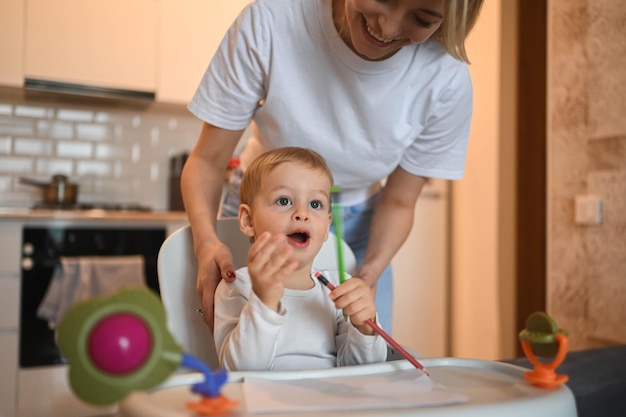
[(59, 191)]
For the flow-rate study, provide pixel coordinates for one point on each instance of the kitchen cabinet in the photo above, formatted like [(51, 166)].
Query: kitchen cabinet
[(8, 373), (10, 244), (11, 42), (9, 303), (191, 31), (11, 232), (111, 43)]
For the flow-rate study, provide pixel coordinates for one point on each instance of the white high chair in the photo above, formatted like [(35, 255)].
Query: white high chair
[(177, 269)]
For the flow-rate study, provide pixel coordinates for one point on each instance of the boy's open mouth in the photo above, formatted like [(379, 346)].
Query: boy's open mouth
[(299, 237)]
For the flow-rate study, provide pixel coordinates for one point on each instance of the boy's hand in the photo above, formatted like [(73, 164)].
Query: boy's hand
[(269, 264), (355, 297)]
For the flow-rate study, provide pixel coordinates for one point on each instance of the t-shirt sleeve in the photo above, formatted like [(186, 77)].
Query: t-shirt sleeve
[(441, 148)]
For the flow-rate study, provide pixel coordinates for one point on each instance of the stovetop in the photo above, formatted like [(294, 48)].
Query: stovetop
[(94, 206)]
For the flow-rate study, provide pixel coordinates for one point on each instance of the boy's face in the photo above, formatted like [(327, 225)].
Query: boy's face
[(293, 201)]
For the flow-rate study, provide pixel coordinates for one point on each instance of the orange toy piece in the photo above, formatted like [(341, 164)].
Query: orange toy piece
[(212, 406), (542, 337)]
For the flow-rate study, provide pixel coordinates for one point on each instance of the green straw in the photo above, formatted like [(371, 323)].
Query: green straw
[(336, 209)]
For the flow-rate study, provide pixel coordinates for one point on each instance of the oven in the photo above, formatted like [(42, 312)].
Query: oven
[(42, 369)]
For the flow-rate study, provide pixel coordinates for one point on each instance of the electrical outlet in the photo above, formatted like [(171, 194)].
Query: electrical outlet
[(588, 210)]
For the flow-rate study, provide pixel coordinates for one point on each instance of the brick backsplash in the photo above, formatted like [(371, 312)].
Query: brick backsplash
[(115, 154)]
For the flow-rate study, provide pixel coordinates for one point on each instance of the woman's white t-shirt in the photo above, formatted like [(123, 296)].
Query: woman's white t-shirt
[(283, 65)]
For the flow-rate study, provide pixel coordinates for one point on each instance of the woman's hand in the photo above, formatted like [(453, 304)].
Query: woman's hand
[(269, 264), (215, 262), (356, 299), (369, 276), (202, 181)]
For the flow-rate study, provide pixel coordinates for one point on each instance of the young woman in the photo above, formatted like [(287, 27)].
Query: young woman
[(379, 88)]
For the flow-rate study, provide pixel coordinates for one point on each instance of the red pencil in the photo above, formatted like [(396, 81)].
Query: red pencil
[(380, 331)]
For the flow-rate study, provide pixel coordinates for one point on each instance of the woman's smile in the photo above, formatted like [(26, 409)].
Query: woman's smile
[(376, 30), (376, 36)]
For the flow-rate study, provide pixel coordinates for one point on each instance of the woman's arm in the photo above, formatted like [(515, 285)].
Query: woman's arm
[(391, 224), (201, 185)]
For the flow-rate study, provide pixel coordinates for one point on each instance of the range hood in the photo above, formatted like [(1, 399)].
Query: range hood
[(87, 92)]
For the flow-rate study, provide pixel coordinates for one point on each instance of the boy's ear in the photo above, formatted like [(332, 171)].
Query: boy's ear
[(245, 220), (330, 222)]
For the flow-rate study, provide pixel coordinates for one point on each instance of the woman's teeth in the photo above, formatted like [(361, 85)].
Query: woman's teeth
[(375, 35)]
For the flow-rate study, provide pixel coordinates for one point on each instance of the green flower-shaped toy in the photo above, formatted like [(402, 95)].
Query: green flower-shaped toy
[(117, 344)]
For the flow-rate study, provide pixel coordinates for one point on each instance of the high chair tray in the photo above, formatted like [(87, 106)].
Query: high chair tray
[(491, 389)]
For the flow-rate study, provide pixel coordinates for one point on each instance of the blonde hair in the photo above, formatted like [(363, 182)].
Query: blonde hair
[(459, 18), (268, 161)]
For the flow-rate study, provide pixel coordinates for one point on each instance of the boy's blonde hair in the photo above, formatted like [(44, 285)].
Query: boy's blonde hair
[(268, 161)]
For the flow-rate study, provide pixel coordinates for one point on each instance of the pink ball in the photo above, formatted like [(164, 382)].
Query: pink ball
[(120, 343)]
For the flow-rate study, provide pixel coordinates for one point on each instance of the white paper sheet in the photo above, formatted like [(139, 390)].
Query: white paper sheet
[(397, 389)]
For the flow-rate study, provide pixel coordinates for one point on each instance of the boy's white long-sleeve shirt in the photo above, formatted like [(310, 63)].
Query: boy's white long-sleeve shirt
[(307, 333)]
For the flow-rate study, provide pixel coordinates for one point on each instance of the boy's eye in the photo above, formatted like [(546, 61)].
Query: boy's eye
[(283, 201), (316, 204)]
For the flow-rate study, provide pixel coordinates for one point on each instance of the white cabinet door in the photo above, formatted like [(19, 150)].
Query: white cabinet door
[(191, 31), (11, 42), (110, 43), (8, 373), (10, 249), (9, 303)]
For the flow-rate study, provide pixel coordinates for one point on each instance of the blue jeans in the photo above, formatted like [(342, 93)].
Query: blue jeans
[(356, 227)]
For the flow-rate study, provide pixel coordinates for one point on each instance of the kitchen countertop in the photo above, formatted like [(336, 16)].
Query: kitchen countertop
[(92, 215)]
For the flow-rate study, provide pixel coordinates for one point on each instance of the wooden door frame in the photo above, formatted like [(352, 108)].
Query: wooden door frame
[(531, 187)]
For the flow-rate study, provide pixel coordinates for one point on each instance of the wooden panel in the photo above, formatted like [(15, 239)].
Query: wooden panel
[(531, 162)]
